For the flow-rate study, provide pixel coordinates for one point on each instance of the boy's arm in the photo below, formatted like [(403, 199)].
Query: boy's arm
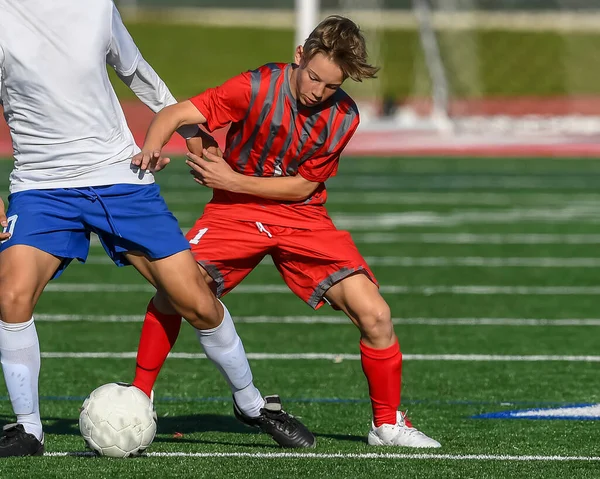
[(216, 107), (164, 124), (213, 171), (124, 56)]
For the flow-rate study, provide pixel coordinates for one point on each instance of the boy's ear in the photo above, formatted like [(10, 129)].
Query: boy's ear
[(298, 54)]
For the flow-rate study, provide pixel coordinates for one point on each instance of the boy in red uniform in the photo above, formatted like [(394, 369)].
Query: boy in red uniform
[(289, 123)]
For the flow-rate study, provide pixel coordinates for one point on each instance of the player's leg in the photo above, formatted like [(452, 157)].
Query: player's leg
[(381, 360), (42, 242), (24, 272), (154, 233), (221, 344), (226, 252), (342, 278)]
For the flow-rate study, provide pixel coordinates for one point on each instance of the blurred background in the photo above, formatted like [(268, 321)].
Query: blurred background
[(476, 77), (467, 74)]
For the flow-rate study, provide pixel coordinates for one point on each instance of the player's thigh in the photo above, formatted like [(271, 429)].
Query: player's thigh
[(46, 234), (24, 273), (312, 261), (179, 280), (227, 250)]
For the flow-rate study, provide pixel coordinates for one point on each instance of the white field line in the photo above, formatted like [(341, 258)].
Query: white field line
[(456, 238), (336, 357), (115, 318), (432, 198), (340, 455), (360, 182), (384, 221), (589, 214), (379, 181), (468, 238), (468, 261), (390, 289)]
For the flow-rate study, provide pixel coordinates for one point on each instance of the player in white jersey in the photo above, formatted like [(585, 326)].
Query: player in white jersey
[(73, 176)]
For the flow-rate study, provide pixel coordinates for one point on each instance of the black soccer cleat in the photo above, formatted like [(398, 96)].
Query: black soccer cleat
[(284, 428), (16, 442)]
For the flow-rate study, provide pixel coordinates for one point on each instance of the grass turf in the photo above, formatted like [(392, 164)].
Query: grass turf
[(330, 395)]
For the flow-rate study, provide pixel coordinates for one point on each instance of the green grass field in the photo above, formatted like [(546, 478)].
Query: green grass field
[(192, 58), (469, 252)]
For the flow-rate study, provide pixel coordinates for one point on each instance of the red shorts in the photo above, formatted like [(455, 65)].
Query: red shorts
[(309, 260)]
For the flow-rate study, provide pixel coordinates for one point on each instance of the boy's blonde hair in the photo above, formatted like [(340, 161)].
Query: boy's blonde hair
[(340, 40)]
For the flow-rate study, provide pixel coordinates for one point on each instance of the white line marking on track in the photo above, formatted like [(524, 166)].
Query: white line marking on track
[(336, 357), (390, 289), (441, 261), (469, 238), (124, 318), (384, 221), (340, 455), (456, 238), (579, 214)]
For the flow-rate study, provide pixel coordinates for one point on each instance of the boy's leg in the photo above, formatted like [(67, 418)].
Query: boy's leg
[(230, 261), (24, 272), (221, 343), (45, 234), (341, 277), (381, 358)]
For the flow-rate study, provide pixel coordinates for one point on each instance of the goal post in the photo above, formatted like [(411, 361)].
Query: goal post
[(476, 67)]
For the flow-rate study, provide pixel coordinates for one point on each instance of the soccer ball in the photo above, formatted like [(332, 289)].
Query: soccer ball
[(117, 420)]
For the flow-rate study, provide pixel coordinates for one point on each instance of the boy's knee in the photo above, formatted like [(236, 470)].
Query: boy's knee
[(376, 322), (204, 313), (16, 301)]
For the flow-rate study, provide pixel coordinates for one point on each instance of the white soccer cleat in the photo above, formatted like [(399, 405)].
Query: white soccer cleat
[(400, 434)]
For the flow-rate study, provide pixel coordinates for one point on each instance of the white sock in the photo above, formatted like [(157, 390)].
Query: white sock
[(224, 347), (20, 357)]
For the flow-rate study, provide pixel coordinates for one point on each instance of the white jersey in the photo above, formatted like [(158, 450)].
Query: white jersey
[(67, 126)]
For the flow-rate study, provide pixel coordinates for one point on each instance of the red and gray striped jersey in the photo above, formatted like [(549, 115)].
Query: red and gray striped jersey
[(271, 134)]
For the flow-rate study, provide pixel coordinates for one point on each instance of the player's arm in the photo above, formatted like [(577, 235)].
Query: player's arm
[(124, 56), (213, 171), (216, 108), (164, 124)]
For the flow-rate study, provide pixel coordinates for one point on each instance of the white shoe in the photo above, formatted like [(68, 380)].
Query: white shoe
[(400, 434)]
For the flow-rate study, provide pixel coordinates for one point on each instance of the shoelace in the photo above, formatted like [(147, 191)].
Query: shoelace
[(406, 420), (285, 421)]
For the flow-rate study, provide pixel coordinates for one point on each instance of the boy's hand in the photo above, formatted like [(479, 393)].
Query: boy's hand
[(212, 171), (150, 160), (3, 222)]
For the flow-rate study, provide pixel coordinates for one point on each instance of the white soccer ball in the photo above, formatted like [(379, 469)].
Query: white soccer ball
[(117, 420)]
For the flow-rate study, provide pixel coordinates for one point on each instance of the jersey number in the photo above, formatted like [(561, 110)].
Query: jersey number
[(10, 228), (196, 239)]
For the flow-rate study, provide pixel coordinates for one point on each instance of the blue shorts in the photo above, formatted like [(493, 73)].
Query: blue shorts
[(125, 218)]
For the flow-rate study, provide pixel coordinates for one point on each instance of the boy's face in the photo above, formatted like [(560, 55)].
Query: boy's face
[(317, 79)]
